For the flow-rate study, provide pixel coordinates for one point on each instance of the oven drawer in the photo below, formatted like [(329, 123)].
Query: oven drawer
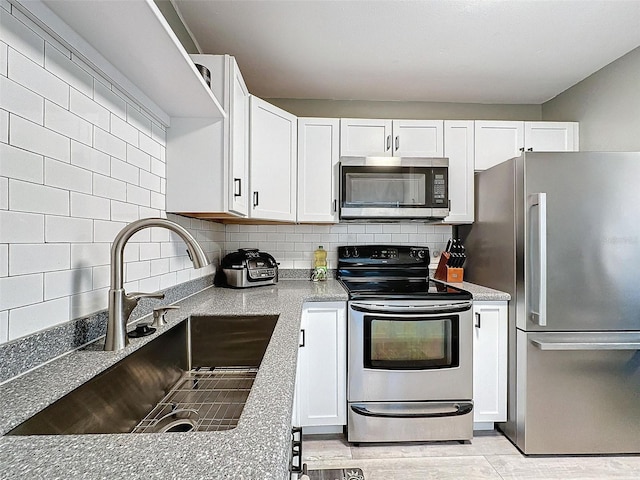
[(409, 422)]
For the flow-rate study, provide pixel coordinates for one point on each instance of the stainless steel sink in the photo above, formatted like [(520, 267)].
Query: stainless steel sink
[(195, 376)]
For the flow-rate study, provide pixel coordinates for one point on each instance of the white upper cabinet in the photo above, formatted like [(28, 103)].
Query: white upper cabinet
[(318, 158), (459, 148), (551, 136), (272, 164), (208, 159), (497, 141), (132, 44), (384, 138)]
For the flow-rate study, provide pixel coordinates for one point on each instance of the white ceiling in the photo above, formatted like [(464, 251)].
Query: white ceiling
[(475, 51)]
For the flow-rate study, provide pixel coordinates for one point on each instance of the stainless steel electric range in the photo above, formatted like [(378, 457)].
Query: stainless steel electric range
[(409, 348)]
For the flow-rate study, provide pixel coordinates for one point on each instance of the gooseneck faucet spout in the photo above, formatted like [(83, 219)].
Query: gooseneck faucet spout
[(122, 304)]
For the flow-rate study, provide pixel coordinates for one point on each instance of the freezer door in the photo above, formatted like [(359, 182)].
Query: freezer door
[(581, 234), (579, 393)]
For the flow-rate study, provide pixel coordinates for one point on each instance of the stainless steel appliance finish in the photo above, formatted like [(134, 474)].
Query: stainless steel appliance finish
[(248, 267), (560, 232), (394, 188), (409, 348)]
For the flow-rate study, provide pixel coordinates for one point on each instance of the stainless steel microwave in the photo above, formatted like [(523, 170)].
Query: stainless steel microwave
[(394, 188)]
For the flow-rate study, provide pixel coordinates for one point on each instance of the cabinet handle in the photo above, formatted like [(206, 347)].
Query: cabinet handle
[(388, 142), (397, 142), (335, 205), (255, 199), (237, 182), (477, 320), (522, 149), (303, 338), (530, 149)]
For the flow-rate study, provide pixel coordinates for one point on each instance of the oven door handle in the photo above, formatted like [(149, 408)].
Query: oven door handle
[(440, 410), (381, 309)]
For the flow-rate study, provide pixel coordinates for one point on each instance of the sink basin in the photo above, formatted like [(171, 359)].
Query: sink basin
[(195, 376)]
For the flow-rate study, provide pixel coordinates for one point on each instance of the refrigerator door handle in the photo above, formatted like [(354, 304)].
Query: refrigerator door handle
[(539, 315), (563, 346)]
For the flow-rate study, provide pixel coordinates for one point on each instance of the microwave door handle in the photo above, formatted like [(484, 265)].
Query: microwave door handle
[(539, 312)]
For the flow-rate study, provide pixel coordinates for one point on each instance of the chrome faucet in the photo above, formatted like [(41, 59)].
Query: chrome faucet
[(122, 304)]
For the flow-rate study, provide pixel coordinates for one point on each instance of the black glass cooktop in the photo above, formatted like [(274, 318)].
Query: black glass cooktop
[(403, 288)]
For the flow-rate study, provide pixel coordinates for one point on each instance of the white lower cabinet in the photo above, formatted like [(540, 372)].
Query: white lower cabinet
[(321, 385), (489, 363)]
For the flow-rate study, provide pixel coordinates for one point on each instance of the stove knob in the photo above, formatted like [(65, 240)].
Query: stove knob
[(356, 253), (347, 253), (421, 254)]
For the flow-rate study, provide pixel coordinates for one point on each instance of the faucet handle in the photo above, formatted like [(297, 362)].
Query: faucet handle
[(158, 315), (138, 295)]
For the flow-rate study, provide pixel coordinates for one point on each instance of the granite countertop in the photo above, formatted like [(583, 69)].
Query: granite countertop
[(257, 448)]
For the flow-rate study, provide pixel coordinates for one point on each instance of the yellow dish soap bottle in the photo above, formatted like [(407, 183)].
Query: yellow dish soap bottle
[(319, 264)]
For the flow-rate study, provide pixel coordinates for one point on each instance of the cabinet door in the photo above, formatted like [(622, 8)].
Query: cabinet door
[(490, 362), (321, 391), (273, 140), (318, 157), (551, 136), (361, 137), (497, 141), (238, 140), (418, 138), (459, 148)]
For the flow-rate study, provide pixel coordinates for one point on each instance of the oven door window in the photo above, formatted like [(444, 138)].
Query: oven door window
[(413, 343)]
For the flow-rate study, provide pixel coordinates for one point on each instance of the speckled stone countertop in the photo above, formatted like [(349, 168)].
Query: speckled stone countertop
[(258, 448)]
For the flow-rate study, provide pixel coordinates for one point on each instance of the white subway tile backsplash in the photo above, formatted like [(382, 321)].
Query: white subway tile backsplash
[(19, 36), (21, 101), (157, 201), (109, 100), (137, 270), (147, 144), (67, 176), (33, 318), (22, 290), (138, 195), (159, 266), (125, 172), (83, 106), (87, 303), (108, 187), (34, 198), (123, 212), (107, 143), (66, 123), (61, 66), (4, 326), (139, 120), (4, 193), (68, 229), (67, 282), (89, 206), (106, 231), (158, 133), (90, 254), (18, 227), (89, 158), (35, 138), (137, 157), (4, 126), (20, 164), (149, 251), (124, 131), (101, 276), (4, 259), (158, 168), (4, 52), (34, 258), (147, 212), (32, 76), (408, 228), (150, 284)]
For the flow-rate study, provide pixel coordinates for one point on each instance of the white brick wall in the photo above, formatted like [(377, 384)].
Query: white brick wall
[(78, 160)]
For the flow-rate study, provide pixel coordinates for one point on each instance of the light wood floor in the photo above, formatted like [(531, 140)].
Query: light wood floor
[(488, 456)]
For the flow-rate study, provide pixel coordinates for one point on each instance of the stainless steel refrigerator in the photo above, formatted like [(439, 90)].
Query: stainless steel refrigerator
[(560, 232)]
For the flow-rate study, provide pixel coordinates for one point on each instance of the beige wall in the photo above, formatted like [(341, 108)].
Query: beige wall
[(406, 110), (607, 105)]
